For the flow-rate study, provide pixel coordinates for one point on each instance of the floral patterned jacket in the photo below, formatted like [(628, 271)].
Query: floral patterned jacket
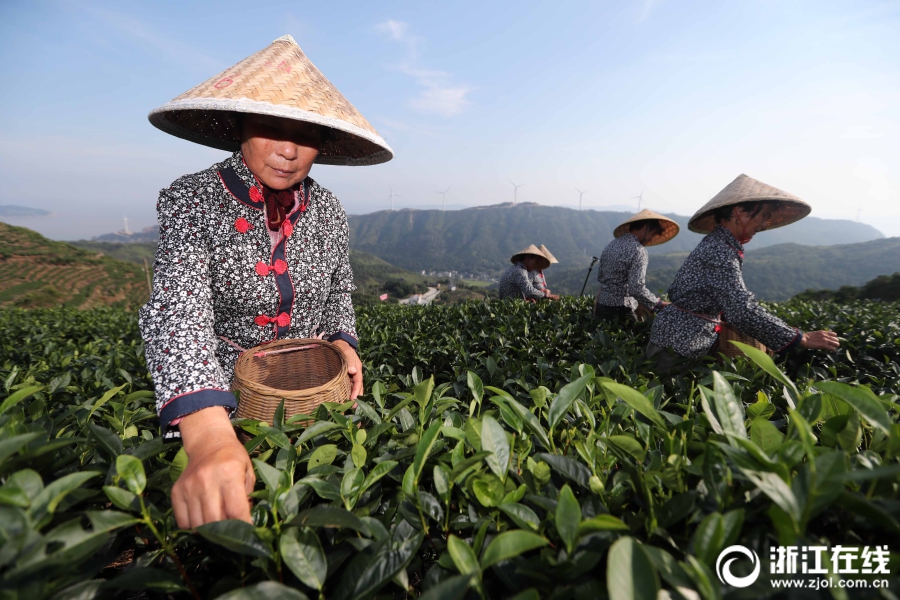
[(515, 282), (222, 282), (623, 274), (709, 286)]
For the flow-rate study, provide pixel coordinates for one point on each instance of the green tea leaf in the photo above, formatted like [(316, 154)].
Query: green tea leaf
[(568, 517), (765, 362), (521, 515), (358, 455), (131, 470), (179, 464), (862, 399), (317, 428), (601, 523), (475, 386), (377, 472), (429, 437), (323, 455), (729, 409), (330, 516), (302, 553), (510, 544), (765, 435), (467, 464), (270, 590), (235, 535), (629, 573), (637, 401), (18, 396), (564, 399), (494, 441), (463, 558)]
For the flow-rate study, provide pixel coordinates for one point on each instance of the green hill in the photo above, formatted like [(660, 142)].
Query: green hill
[(482, 239), (772, 273), (37, 272), (372, 275), (884, 287)]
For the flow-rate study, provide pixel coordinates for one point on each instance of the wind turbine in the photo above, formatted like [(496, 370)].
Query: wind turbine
[(391, 197), (443, 198), (515, 191), (580, 194), (639, 198)]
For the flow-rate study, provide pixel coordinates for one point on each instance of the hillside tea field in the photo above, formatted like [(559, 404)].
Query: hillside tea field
[(502, 450)]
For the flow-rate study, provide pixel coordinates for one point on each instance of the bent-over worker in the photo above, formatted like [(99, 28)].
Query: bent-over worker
[(623, 266), (537, 276), (516, 282), (709, 291), (250, 250)]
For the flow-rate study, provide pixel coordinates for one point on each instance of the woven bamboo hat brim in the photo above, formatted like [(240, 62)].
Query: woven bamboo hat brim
[(534, 251), (278, 81), (746, 189), (669, 227), (549, 256)]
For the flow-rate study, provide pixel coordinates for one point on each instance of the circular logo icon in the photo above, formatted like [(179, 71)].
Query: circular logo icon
[(724, 570)]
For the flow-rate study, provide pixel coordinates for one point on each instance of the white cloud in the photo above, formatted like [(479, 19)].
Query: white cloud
[(444, 101), (439, 96), (647, 8), (397, 30)]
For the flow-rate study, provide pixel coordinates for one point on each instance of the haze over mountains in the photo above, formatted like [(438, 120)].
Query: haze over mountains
[(482, 239), (813, 253)]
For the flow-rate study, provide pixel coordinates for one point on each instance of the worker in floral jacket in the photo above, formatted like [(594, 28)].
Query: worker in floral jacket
[(623, 267), (709, 292), (250, 250)]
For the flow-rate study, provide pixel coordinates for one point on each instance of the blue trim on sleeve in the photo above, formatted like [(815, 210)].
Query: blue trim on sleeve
[(194, 401), (794, 343), (346, 337)]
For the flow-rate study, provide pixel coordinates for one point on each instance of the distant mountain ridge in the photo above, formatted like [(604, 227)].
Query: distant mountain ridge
[(773, 273), (483, 238)]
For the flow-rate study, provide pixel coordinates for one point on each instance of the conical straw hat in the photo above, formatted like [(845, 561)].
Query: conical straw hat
[(549, 256), (279, 81), (746, 189), (533, 250), (669, 227)]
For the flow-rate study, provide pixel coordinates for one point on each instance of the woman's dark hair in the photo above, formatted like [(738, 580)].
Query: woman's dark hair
[(653, 226), (754, 207)]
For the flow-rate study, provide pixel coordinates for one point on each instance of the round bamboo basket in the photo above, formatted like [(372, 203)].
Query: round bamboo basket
[(302, 372), (728, 333)]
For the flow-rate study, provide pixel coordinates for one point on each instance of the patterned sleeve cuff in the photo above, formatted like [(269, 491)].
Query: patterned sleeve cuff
[(191, 402), (794, 343), (346, 337)]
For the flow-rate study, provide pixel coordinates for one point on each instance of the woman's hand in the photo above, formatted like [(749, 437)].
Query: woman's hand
[(354, 368), (219, 476), (820, 340)]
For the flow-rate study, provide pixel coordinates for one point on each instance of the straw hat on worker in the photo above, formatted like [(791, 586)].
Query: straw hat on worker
[(516, 281), (251, 250), (538, 280), (623, 266), (709, 297)]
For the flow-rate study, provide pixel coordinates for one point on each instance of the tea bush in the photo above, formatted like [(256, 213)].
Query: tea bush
[(501, 450)]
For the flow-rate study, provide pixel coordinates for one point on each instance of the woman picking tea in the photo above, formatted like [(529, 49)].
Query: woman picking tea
[(709, 292), (250, 250), (623, 266)]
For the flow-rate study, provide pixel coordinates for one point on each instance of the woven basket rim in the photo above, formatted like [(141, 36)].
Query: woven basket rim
[(263, 389)]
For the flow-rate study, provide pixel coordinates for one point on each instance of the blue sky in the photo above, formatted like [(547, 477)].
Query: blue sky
[(672, 98)]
